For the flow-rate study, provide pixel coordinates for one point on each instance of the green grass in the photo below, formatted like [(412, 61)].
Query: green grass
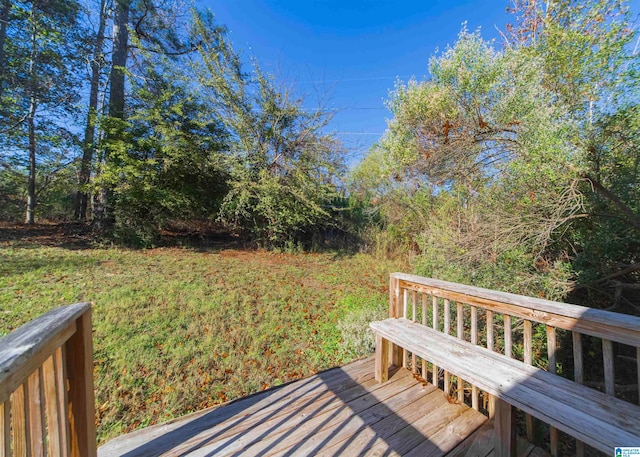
[(177, 330)]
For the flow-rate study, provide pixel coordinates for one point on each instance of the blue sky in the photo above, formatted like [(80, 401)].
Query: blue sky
[(351, 52)]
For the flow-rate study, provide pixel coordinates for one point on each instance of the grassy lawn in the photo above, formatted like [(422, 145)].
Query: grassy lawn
[(177, 329)]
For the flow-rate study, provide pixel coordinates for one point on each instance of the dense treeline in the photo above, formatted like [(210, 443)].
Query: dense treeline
[(515, 166), (164, 123), (518, 168)]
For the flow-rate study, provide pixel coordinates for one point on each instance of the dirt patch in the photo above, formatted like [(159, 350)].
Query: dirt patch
[(68, 235)]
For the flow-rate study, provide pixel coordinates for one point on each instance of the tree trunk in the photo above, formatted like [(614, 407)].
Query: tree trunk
[(31, 122), (31, 187), (104, 215), (4, 22), (119, 59), (82, 196)]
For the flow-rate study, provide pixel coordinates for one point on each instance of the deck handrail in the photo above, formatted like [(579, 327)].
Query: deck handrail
[(46, 386), (502, 321)]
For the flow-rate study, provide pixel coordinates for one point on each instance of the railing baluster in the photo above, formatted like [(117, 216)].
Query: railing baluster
[(36, 416), (551, 352), (405, 314), (447, 331), (508, 341), (609, 376), (59, 357), (19, 417), (460, 334), (51, 402), (474, 340), (395, 357), (434, 301), (578, 376), (528, 359), (414, 302), (5, 428), (424, 322), (490, 330)]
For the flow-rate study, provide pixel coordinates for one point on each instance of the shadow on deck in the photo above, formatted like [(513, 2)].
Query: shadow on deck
[(342, 411)]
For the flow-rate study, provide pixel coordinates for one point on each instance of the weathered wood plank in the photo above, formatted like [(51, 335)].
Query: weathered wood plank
[(378, 440), (51, 406), (603, 324), (474, 341), (306, 431), (394, 312), (414, 317), (609, 374), (424, 322), (528, 359), (228, 420), (460, 334), (36, 415), (551, 353), (25, 349), (382, 358), (508, 336), (446, 438), (489, 317), (19, 418), (436, 370), (578, 376), (505, 429), (376, 423), (59, 358), (560, 402), (79, 369)]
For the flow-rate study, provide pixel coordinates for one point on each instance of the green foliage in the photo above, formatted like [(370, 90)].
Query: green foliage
[(508, 168), (283, 168)]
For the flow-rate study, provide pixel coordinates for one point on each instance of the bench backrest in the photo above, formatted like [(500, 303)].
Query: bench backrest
[(590, 346)]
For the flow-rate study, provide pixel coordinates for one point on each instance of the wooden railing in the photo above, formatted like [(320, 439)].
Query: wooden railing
[(46, 386), (512, 324)]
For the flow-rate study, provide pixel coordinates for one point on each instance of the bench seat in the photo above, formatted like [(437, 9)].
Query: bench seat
[(593, 417)]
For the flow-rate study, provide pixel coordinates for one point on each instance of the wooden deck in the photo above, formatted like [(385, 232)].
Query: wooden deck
[(342, 411)]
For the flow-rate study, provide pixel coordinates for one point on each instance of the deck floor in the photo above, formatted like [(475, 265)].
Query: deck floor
[(342, 411)]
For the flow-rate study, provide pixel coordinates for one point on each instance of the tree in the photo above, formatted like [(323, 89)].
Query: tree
[(88, 143), (283, 167), (43, 40)]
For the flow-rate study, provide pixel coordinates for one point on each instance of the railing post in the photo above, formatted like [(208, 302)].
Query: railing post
[(79, 367), (505, 429), (395, 352)]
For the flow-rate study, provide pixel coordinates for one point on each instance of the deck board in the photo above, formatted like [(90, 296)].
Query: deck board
[(342, 411)]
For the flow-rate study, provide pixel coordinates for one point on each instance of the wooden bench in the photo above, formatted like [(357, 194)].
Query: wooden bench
[(478, 345), (591, 416)]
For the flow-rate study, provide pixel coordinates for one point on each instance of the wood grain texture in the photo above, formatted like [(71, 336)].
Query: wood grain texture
[(617, 327), (424, 322), (609, 372), (26, 348), (490, 341), (51, 406), (508, 336), (505, 429), (591, 416), (79, 367), (382, 358), (59, 359), (19, 418), (460, 335), (36, 421)]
